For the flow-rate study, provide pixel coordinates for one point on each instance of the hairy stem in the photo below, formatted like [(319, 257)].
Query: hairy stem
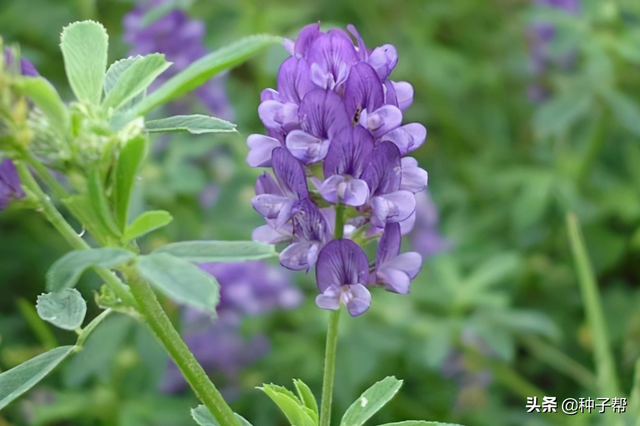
[(68, 233), (158, 321), (329, 368)]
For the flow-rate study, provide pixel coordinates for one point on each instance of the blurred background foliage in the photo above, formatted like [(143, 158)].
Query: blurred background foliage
[(494, 317)]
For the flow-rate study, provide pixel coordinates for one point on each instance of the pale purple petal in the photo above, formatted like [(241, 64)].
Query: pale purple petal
[(414, 178), (290, 174), (392, 207), (389, 245), (357, 298), (381, 121), (404, 94), (341, 262), (330, 298), (270, 206), (305, 147), (294, 80), (266, 234), (383, 59), (396, 274), (352, 192), (334, 54), (300, 256), (260, 148), (306, 37), (383, 174), (408, 137), (266, 185), (406, 226), (363, 52)]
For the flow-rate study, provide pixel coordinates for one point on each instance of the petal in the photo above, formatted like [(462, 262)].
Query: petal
[(404, 94), (363, 52), (269, 205), (305, 147), (306, 37), (393, 207), (383, 59), (294, 80), (341, 262), (410, 263), (9, 178), (382, 121), (290, 174), (406, 226), (414, 179), (408, 137), (349, 153), (383, 174), (309, 223), (322, 113), (352, 192), (363, 90), (329, 299), (299, 256), (334, 53), (358, 299), (393, 280), (266, 185), (260, 148), (389, 245), (268, 111), (266, 234)]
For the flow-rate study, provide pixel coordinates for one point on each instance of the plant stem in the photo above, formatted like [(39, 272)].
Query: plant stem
[(58, 221), (329, 368), (339, 231), (594, 146), (158, 321), (607, 383)]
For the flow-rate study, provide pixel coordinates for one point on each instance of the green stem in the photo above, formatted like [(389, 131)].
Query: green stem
[(605, 366), (339, 231), (58, 221), (329, 368), (560, 361), (594, 146), (156, 318)]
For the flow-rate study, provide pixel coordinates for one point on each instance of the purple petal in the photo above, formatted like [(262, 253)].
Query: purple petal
[(290, 174), (266, 185), (309, 223), (306, 37), (300, 256), (260, 148), (266, 234), (381, 121), (322, 114), (383, 174), (332, 54), (269, 95), (414, 179), (341, 262), (270, 206), (396, 274), (406, 226), (404, 94), (363, 90), (305, 147), (330, 298), (352, 192), (363, 52), (357, 298), (349, 153), (392, 207), (10, 188), (408, 137), (294, 80), (383, 59), (389, 245)]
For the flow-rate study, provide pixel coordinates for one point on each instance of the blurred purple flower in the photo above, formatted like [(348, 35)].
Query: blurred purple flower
[(10, 188), (181, 41), (426, 238), (541, 35), (246, 289), (26, 67)]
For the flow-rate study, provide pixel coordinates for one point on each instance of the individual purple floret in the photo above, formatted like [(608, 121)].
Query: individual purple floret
[(10, 188), (181, 40), (335, 121), (541, 35), (246, 289), (26, 67)]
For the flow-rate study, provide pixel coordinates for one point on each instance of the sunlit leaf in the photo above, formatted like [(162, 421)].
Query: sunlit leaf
[(218, 251), (372, 400), (195, 124), (65, 309), (147, 222)]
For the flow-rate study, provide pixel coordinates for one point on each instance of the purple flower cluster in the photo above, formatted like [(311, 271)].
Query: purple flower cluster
[(246, 289), (336, 121), (180, 39), (541, 35)]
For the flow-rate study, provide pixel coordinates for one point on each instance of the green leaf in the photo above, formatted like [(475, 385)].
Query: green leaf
[(65, 309), (84, 48), (203, 69), (180, 280), (130, 159), (135, 79), (195, 124), (111, 78), (372, 400), (419, 423), (45, 96), (218, 251), (557, 114), (306, 396), (625, 110), (20, 379), (294, 411), (145, 223), (203, 417), (67, 270), (100, 205)]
